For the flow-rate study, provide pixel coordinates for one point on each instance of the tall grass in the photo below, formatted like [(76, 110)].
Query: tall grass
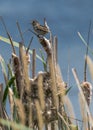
[(40, 102)]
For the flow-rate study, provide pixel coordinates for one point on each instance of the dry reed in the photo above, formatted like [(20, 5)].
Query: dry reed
[(42, 101)]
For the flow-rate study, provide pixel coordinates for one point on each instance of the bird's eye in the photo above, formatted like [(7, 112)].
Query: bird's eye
[(33, 22)]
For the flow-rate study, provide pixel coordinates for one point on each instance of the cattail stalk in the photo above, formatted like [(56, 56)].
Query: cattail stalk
[(41, 91), (39, 115), (33, 63), (24, 63), (83, 97), (48, 48), (21, 110), (62, 118), (18, 75), (11, 101)]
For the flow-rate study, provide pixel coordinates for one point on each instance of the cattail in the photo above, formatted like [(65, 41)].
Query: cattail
[(87, 90), (39, 115), (40, 29), (46, 45), (41, 90), (18, 74), (11, 101), (20, 108)]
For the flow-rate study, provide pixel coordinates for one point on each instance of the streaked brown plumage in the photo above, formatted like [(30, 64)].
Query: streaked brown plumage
[(40, 29)]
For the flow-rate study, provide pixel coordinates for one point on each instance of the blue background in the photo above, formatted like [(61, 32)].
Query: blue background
[(65, 18)]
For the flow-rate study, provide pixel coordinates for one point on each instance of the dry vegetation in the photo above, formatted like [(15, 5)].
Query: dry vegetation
[(40, 102)]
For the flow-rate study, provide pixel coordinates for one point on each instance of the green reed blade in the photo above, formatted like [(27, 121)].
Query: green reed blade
[(10, 82), (43, 60), (16, 44), (83, 40)]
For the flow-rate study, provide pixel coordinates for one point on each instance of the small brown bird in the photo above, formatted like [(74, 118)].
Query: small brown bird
[(40, 29)]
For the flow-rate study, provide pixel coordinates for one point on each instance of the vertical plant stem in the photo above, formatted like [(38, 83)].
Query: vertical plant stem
[(33, 63), (11, 101), (39, 115), (20, 32), (1, 99), (85, 65), (21, 111), (55, 49), (8, 34), (83, 97), (18, 75), (62, 118), (30, 115), (41, 91), (24, 63), (53, 80)]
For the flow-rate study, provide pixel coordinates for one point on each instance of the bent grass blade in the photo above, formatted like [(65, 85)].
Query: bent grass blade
[(83, 40), (16, 44)]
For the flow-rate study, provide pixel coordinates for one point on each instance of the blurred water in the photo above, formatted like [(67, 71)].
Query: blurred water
[(65, 19)]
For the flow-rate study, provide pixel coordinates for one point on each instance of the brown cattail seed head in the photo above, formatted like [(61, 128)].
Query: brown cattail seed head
[(87, 90)]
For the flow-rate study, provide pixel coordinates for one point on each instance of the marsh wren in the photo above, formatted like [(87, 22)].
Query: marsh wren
[(40, 29)]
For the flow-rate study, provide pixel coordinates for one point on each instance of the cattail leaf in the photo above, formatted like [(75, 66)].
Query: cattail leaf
[(83, 40), (3, 65), (11, 73), (90, 65), (68, 90), (10, 82), (43, 60), (6, 40), (16, 44)]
